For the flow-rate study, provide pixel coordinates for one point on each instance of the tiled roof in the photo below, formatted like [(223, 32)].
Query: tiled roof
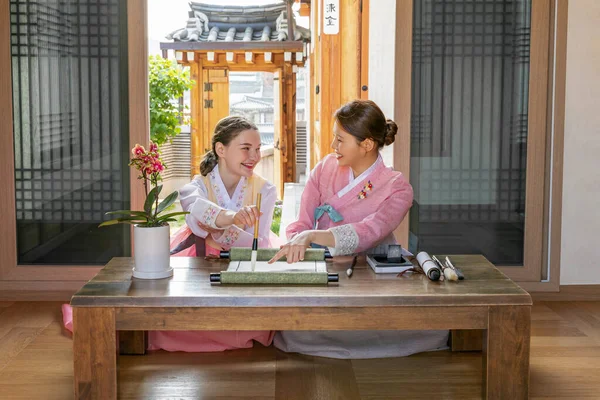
[(240, 14), (252, 103), (300, 102), (267, 134), (215, 23)]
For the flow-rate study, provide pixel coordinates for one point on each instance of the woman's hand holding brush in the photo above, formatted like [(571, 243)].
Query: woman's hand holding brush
[(247, 216), (255, 223)]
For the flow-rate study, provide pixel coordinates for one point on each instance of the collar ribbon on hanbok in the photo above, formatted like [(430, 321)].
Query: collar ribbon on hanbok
[(332, 212)]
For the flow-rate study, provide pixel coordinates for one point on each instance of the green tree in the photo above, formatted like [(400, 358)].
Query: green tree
[(168, 82)]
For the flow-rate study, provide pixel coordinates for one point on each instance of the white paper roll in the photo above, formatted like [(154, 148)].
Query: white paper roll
[(430, 268)]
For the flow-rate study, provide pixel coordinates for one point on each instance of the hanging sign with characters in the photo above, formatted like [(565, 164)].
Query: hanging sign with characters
[(331, 17)]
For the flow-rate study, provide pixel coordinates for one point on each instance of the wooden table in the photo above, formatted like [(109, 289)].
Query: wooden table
[(487, 301)]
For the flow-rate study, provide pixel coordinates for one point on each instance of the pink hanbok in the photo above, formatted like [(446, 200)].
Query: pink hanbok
[(361, 212), (371, 205), (204, 198)]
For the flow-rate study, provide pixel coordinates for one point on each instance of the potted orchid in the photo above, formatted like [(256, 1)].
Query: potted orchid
[(151, 226)]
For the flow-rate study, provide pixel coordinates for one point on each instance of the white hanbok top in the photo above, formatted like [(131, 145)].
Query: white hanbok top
[(206, 197)]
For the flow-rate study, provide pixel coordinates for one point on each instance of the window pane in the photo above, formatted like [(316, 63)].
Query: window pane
[(69, 76), (469, 127)]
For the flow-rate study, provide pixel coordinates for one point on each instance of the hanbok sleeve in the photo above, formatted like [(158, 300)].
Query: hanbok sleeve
[(310, 200), (194, 198), (234, 236), (357, 237)]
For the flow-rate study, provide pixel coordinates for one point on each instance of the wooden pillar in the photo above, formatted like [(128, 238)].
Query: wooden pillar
[(196, 115), (363, 37), (337, 85), (279, 129), (315, 84), (350, 56), (288, 138), (330, 87), (139, 115)]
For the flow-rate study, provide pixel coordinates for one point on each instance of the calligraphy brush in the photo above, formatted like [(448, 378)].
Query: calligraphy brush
[(448, 272), (458, 271), (350, 270), (255, 241)]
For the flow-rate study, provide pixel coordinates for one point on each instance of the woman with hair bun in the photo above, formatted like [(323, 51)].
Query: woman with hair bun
[(351, 203)]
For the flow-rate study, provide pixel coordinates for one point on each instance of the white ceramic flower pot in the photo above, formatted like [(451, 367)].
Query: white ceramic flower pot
[(151, 252)]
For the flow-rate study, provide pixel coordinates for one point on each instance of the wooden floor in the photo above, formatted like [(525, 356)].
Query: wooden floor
[(36, 362)]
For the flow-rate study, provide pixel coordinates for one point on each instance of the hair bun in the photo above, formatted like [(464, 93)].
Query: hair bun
[(391, 130)]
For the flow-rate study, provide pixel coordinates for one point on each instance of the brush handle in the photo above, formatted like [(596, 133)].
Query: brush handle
[(460, 274), (458, 271), (350, 270), (258, 201)]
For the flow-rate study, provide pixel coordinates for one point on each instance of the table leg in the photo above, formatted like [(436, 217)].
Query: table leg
[(95, 353), (133, 342), (505, 357)]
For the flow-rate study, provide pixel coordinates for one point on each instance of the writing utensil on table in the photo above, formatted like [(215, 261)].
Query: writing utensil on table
[(350, 270), (458, 271), (440, 266), (255, 241), (448, 272), (434, 258)]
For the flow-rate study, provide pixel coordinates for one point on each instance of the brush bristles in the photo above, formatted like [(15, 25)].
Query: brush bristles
[(450, 274), (253, 259)]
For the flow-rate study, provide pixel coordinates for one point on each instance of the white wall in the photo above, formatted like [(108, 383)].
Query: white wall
[(580, 255), (381, 61)]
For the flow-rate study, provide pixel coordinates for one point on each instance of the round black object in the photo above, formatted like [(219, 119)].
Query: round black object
[(434, 274)]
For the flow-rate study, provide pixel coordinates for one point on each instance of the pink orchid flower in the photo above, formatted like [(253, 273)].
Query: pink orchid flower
[(158, 166), (138, 150)]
